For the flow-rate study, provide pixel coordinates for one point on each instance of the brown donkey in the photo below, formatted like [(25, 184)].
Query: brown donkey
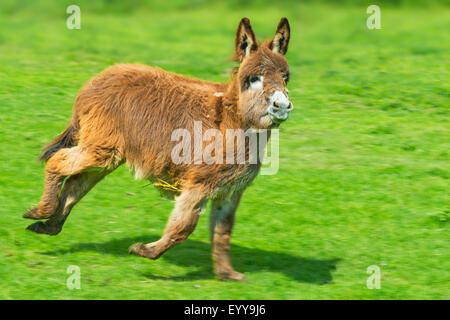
[(128, 114)]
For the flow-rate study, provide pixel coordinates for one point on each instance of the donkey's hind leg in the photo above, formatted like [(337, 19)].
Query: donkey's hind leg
[(64, 163), (74, 189), (182, 222)]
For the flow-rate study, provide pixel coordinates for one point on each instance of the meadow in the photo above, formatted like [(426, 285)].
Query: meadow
[(364, 157)]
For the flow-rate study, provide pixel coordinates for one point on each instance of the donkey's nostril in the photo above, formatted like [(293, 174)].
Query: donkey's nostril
[(290, 107), (275, 105)]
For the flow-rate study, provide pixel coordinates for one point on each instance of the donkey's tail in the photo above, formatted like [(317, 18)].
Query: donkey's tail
[(63, 140)]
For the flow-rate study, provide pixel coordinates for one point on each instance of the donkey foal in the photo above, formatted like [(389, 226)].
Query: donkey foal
[(128, 114)]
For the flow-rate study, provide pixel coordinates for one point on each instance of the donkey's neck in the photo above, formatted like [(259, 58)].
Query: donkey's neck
[(231, 117)]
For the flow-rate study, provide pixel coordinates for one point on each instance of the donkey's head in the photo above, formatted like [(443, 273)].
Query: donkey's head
[(262, 76)]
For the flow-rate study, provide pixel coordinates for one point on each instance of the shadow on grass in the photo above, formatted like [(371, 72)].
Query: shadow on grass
[(193, 253)]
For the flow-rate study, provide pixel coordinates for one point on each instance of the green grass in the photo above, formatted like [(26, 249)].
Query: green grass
[(364, 160)]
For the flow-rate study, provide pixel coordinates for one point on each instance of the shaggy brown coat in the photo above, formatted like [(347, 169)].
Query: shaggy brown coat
[(127, 115)]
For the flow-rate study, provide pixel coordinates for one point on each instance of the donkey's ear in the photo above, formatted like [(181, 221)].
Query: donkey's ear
[(245, 40), (280, 41)]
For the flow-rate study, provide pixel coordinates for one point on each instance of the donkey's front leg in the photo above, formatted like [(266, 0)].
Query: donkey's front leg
[(182, 222), (221, 224)]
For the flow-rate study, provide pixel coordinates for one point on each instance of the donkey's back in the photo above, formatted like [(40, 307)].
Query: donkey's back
[(139, 93)]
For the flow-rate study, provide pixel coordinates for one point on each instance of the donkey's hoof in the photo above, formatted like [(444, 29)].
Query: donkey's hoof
[(31, 214), (135, 248), (232, 275), (140, 249), (41, 227)]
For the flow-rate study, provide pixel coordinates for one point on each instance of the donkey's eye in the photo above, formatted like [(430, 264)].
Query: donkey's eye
[(253, 82), (286, 79), (254, 78)]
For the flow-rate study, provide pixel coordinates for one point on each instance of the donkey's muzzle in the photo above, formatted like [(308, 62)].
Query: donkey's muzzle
[(279, 108)]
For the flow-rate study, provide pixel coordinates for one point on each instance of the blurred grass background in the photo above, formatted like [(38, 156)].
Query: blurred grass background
[(364, 161)]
